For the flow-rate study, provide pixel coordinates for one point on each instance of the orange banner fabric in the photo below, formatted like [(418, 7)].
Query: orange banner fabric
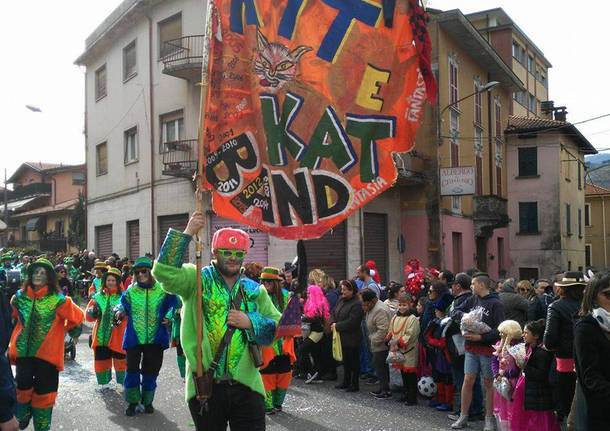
[(308, 99)]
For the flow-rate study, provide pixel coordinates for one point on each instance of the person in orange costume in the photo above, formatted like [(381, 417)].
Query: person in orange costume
[(107, 332), (43, 316), (279, 357)]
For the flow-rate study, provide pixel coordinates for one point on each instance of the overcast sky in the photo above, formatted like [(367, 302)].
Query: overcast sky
[(41, 40)]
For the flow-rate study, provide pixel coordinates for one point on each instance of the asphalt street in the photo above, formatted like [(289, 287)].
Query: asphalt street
[(313, 407)]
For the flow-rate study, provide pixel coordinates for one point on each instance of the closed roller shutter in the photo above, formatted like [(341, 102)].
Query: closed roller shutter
[(376, 243), (178, 222), (103, 241), (133, 239), (259, 240), (328, 253)]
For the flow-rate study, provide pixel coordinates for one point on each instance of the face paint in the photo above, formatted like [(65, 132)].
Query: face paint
[(39, 277)]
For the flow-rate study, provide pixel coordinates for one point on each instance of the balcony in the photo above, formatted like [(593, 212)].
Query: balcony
[(410, 170), (33, 189), (179, 158), (182, 57), (490, 212)]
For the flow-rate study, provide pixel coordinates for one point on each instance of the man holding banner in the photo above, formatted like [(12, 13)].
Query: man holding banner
[(231, 302)]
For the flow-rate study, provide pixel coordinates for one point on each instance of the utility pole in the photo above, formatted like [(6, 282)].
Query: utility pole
[(5, 210)]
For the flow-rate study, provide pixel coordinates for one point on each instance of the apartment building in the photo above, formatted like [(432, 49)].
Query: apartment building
[(142, 109), (597, 227), (522, 55)]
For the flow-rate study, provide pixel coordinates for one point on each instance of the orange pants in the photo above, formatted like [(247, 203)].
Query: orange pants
[(276, 381)]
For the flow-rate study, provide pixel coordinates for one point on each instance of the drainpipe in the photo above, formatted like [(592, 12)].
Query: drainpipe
[(604, 232), (54, 190), (152, 135), (490, 146)]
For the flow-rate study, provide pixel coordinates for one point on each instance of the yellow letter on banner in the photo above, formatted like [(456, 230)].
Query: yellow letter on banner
[(370, 86)]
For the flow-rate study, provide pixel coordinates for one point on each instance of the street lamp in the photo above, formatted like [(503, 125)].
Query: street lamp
[(487, 87)]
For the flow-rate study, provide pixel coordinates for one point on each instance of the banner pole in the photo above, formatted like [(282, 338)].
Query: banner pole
[(204, 85)]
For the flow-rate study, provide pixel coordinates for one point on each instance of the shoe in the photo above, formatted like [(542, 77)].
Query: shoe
[(384, 396), (375, 393), (278, 408), (372, 381), (433, 404), (462, 422), (454, 416), (352, 389), (444, 407), (131, 409), (270, 412), (149, 409), (490, 423), (24, 424), (342, 386), (311, 377)]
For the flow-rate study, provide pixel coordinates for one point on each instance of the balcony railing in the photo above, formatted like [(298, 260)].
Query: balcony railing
[(182, 57), (490, 212), (45, 245), (179, 158)]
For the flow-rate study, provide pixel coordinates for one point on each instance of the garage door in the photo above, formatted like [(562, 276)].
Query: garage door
[(176, 221), (133, 238), (329, 253), (376, 242), (259, 240), (103, 241)]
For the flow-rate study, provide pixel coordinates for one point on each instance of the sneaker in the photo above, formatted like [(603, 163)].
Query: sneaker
[(131, 409), (102, 388), (444, 407), (149, 409), (490, 423), (433, 404), (375, 393), (454, 416), (384, 396), (462, 422), (278, 408), (270, 412), (311, 377)]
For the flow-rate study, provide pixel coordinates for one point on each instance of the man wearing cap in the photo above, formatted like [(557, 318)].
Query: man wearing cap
[(238, 392), (96, 287), (43, 316), (107, 332), (6, 266), (148, 309)]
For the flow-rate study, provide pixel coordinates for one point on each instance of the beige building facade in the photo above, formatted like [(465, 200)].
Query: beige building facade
[(597, 227)]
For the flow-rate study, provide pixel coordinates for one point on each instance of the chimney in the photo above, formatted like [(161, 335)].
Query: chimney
[(546, 109), (560, 113)]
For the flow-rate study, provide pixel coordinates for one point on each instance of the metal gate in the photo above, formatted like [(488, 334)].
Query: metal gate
[(376, 243), (328, 253), (133, 239), (176, 221), (259, 240), (103, 241)]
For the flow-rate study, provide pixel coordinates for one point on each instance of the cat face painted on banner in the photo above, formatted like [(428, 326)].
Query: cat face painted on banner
[(276, 64)]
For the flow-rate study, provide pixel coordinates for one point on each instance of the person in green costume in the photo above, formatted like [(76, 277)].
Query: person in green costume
[(176, 321), (238, 393)]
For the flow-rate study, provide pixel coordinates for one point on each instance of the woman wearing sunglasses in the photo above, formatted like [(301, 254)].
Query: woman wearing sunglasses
[(238, 393), (148, 309)]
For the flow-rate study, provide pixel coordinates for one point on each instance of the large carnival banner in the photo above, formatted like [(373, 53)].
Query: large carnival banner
[(307, 101)]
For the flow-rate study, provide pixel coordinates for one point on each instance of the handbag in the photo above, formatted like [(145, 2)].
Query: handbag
[(337, 350), (203, 384), (503, 386)]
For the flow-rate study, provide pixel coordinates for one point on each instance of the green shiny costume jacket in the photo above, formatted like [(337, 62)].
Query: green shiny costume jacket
[(236, 362), (104, 333)]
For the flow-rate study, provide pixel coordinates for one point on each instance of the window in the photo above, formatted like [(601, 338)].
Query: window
[(528, 217), (172, 128), (169, 31), (498, 118), (587, 255), (519, 96), (528, 161), (479, 175), (518, 52), (531, 103), (78, 178), (456, 238), (456, 204), (579, 175), (579, 223), (587, 215), (531, 64), (455, 153), (538, 73), (477, 102), (100, 83), (453, 79), (568, 219), (543, 79), (129, 61), (500, 253), (131, 145), (101, 159)]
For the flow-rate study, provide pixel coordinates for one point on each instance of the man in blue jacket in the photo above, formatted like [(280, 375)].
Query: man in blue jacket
[(8, 396)]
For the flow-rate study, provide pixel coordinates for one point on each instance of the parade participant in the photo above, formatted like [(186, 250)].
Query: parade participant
[(37, 345), (107, 332), (279, 357), (175, 334), (147, 308), (62, 279), (237, 390), (6, 266), (403, 337), (316, 314), (8, 396), (70, 269), (96, 286)]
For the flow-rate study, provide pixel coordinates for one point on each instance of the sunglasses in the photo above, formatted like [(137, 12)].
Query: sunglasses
[(231, 253), (606, 293), (141, 271)]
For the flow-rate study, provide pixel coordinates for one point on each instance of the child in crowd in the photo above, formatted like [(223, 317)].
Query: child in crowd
[(441, 363), (403, 337), (423, 367), (533, 396), (503, 365)]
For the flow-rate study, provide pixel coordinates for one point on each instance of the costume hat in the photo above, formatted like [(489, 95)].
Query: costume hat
[(231, 239), (143, 262), (572, 278), (270, 273), (99, 264), (112, 271), (40, 262)]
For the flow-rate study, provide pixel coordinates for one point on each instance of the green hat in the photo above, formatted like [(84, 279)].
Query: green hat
[(112, 271), (143, 262), (68, 260), (40, 262), (270, 273), (7, 256)]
